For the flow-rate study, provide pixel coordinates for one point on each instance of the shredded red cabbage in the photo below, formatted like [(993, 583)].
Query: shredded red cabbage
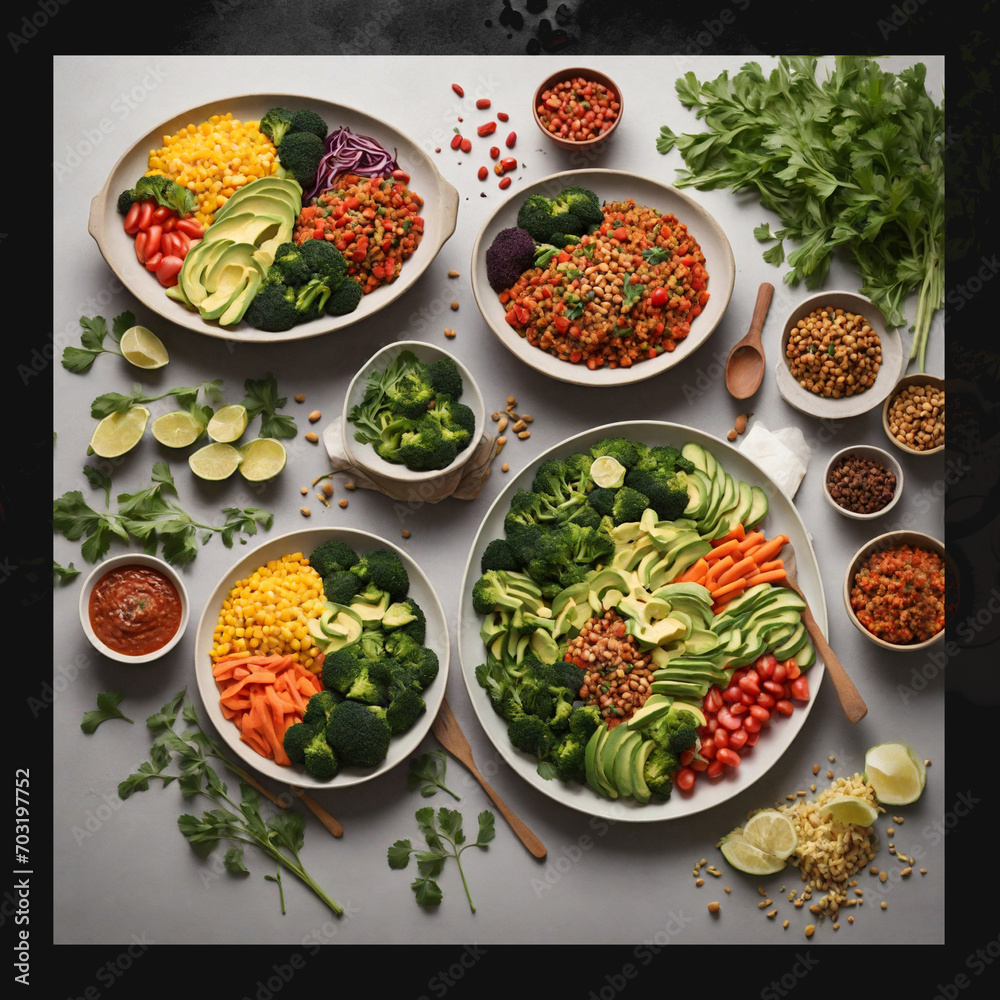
[(347, 152)]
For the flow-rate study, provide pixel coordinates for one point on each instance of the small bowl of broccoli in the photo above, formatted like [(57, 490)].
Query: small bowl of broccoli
[(413, 412)]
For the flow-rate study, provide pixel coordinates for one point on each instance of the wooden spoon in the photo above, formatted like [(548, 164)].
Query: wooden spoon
[(318, 811), (850, 699), (450, 736), (745, 364)]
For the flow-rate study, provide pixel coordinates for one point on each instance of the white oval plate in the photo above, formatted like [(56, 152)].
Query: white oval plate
[(305, 541), (782, 517), (440, 214), (611, 185)]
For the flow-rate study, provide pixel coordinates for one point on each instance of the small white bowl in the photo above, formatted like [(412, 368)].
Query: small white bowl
[(846, 406), (889, 540), (878, 455), (364, 454), (117, 562), (932, 382)]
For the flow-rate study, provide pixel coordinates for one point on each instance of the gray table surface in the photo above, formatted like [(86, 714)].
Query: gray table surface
[(122, 871)]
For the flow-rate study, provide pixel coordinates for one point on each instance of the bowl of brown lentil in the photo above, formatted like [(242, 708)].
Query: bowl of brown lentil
[(577, 108), (839, 358), (863, 482), (895, 590), (913, 415)]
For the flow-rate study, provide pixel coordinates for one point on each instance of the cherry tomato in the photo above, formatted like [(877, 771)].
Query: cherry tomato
[(168, 270), (728, 757), (714, 769), (132, 218), (800, 688), (658, 297), (685, 779)]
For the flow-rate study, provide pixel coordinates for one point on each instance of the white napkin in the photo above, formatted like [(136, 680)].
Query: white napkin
[(463, 483), (783, 454)]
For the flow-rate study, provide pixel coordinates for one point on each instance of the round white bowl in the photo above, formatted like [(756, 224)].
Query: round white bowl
[(847, 406), (886, 541), (133, 559), (928, 380), (365, 456), (878, 455)]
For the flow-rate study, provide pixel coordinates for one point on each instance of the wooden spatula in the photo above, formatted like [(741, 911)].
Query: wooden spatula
[(450, 736), (850, 699)]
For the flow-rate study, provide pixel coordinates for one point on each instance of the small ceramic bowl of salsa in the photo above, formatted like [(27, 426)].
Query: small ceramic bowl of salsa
[(134, 608), (577, 108)]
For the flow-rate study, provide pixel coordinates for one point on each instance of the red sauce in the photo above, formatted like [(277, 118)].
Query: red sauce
[(135, 610)]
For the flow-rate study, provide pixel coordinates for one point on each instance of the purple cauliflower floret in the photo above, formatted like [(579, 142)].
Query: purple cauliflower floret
[(510, 254)]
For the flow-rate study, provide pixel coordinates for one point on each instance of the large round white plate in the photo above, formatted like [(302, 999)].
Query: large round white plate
[(611, 185), (440, 214), (305, 541), (782, 517)]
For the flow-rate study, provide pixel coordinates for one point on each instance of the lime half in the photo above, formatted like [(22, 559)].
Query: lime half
[(228, 423), (773, 832), (747, 857), (215, 461), (142, 348), (118, 433), (607, 472), (896, 773), (177, 429), (262, 459), (850, 809)]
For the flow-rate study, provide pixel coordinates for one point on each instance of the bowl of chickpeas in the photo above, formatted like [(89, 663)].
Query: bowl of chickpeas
[(577, 108), (839, 358), (913, 415)]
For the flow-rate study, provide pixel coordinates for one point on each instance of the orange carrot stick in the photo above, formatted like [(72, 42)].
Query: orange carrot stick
[(737, 570), (769, 550), (717, 569), (771, 577), (739, 533), (695, 573), (752, 538), (725, 549), (766, 567), (729, 589)]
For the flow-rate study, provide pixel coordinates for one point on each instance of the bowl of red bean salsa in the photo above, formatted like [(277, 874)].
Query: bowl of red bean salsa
[(629, 300), (895, 590), (577, 107)]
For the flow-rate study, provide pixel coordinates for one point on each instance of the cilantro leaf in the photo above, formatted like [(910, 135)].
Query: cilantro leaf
[(107, 708), (262, 400)]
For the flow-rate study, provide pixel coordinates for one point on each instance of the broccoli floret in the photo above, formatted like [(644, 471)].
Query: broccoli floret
[(344, 298), (300, 154), (457, 421), (370, 684), (522, 539), (323, 260), (526, 508), (404, 710), (275, 124), (567, 551), (307, 120), (667, 492), (545, 217), (341, 586), (332, 555), (272, 309), (384, 570), (445, 378), (289, 266), (569, 757), (163, 190), (618, 448), (410, 394), (319, 707), (505, 589), (420, 662), (340, 668), (358, 737), (658, 772), (320, 759), (298, 736), (531, 735), (561, 486), (416, 628), (511, 253), (425, 448), (498, 554), (584, 719), (628, 505), (602, 500), (583, 203), (425, 667), (676, 732), (371, 644)]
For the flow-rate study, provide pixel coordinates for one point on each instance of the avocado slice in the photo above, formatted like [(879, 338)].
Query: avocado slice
[(594, 757), (655, 707), (758, 507), (640, 790), (621, 775), (544, 646), (606, 760)]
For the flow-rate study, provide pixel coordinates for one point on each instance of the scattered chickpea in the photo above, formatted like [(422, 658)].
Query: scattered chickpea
[(314, 416), (322, 499), (714, 907), (502, 425), (328, 489), (449, 332), (312, 437), (741, 423), (405, 533), (349, 486), (305, 511), (505, 467), (810, 930), (454, 306), (511, 401), (699, 882), (343, 502), (300, 397), (524, 434), (527, 418), (731, 435), (304, 490)]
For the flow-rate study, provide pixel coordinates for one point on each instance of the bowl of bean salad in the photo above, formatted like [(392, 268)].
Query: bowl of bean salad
[(577, 108), (639, 294), (838, 356), (913, 415)]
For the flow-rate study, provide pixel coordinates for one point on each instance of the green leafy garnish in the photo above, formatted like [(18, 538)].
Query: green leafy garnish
[(107, 708), (854, 162), (656, 255), (281, 837), (427, 772), (262, 398), (63, 573), (186, 396), (444, 838), (95, 331)]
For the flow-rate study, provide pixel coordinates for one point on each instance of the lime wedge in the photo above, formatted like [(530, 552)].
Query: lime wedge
[(773, 832), (142, 348), (607, 472), (228, 423), (215, 461), (747, 857), (851, 810), (896, 773), (262, 459), (177, 429), (118, 433)]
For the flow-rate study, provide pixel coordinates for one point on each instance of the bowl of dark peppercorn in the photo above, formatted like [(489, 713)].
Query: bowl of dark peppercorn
[(863, 482)]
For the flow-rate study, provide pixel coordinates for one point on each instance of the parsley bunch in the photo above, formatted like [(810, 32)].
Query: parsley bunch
[(854, 162), (150, 516)]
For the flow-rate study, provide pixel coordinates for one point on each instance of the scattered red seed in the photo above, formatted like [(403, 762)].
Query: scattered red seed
[(498, 168), (502, 116), (483, 103), (487, 128), (460, 118), (456, 141), (509, 163), (437, 149), (504, 183), (511, 139), (494, 152), (466, 145), (483, 173), (458, 90)]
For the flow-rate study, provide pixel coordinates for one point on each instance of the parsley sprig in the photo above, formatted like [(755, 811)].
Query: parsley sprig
[(149, 515), (107, 708), (186, 397), (262, 400), (95, 332), (444, 839), (281, 837), (427, 772)]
